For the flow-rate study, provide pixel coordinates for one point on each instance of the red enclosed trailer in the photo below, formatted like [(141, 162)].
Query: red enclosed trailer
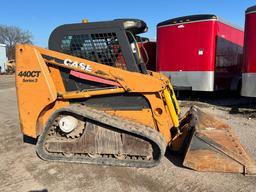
[(249, 66), (200, 52), (148, 52)]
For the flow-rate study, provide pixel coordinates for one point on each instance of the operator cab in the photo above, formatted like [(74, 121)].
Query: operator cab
[(111, 43)]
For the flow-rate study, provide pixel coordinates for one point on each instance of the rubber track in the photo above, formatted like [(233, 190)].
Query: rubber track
[(118, 123)]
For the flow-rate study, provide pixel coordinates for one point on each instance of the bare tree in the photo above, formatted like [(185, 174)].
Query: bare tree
[(10, 36)]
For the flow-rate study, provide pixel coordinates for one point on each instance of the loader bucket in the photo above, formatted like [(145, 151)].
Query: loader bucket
[(212, 146)]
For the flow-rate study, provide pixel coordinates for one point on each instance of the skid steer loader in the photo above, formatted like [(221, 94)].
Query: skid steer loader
[(90, 99)]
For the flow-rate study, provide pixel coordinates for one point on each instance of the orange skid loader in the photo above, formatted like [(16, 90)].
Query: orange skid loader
[(91, 100)]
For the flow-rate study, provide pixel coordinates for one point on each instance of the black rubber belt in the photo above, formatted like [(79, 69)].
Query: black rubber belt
[(154, 137)]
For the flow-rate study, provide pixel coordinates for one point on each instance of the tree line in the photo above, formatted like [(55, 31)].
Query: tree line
[(11, 35)]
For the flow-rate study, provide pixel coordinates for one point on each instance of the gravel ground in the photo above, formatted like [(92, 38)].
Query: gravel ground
[(22, 170)]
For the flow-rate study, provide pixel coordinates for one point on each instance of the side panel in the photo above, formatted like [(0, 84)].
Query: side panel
[(192, 80), (230, 33), (229, 53)]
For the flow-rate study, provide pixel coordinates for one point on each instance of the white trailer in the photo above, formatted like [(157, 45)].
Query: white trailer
[(3, 57)]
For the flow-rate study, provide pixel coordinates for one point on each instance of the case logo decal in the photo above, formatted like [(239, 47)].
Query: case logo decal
[(76, 64)]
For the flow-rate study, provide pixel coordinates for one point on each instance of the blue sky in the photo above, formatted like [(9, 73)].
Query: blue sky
[(41, 17)]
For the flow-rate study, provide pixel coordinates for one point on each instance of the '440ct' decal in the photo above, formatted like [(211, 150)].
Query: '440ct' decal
[(76, 64), (29, 76), (29, 73)]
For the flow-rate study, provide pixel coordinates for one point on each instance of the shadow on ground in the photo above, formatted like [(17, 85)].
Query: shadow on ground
[(227, 99), (175, 158)]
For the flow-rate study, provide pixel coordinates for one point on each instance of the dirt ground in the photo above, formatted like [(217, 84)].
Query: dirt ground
[(22, 170)]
